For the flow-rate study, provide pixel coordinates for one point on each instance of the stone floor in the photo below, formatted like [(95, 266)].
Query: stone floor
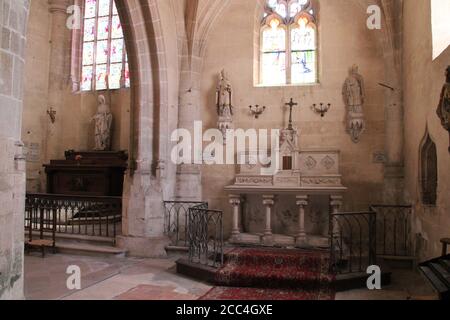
[(156, 279)]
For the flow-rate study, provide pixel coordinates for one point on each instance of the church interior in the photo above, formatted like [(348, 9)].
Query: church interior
[(224, 149)]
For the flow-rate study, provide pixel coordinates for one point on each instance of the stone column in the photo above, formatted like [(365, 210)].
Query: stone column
[(58, 10), (13, 25), (235, 201), (268, 202), (302, 202), (336, 204)]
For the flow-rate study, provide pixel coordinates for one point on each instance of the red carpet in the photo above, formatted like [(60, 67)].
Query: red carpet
[(274, 274)]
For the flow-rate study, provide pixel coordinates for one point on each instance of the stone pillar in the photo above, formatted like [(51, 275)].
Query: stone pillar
[(188, 185), (58, 32), (235, 201), (268, 202), (335, 204), (302, 202), (13, 25)]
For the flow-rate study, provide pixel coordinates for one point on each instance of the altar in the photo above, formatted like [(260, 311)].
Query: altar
[(292, 206)]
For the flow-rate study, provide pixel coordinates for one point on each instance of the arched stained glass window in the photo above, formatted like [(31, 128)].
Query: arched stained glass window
[(288, 43), (104, 58)]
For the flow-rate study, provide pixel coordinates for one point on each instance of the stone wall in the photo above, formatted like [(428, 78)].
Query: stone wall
[(13, 18), (344, 40), (423, 81)]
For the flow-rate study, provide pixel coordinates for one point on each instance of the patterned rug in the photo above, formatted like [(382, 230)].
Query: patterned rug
[(273, 274)]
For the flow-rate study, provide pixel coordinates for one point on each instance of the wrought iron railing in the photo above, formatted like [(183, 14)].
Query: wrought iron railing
[(176, 220), (394, 230), (77, 215), (205, 234), (353, 242)]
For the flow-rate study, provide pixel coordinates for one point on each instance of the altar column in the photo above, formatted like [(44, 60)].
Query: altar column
[(268, 202), (336, 204), (235, 201), (302, 202)]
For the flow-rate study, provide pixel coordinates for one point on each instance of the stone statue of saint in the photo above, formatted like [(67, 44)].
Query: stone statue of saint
[(224, 93), (103, 120), (224, 105), (354, 98), (443, 110)]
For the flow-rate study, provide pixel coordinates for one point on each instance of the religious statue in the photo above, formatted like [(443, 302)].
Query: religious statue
[(354, 98), (443, 110), (224, 105), (103, 120)]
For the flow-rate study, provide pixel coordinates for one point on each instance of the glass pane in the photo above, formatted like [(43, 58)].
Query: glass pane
[(127, 75), (88, 53), (295, 8), (272, 3), (104, 7), (89, 30), (90, 9), (273, 68), (304, 67), (114, 7), (116, 28), (86, 79), (303, 39), (102, 52), (274, 39), (103, 28), (116, 50), (100, 83), (281, 10), (115, 74)]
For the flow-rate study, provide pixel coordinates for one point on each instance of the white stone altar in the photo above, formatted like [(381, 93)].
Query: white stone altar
[(292, 206)]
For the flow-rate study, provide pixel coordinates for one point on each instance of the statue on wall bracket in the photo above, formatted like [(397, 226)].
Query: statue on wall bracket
[(224, 104), (103, 121), (443, 110), (354, 97)]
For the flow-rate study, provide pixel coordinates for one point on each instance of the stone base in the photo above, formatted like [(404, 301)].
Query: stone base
[(144, 247), (268, 240)]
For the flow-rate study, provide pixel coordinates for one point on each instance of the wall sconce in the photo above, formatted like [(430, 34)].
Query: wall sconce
[(257, 111), (52, 114), (321, 109)]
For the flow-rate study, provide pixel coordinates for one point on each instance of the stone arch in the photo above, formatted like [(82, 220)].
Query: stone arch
[(148, 70), (143, 216)]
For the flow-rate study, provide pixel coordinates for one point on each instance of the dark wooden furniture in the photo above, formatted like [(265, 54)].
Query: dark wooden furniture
[(40, 222), (89, 173), (437, 272)]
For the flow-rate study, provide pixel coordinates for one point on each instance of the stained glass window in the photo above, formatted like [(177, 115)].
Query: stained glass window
[(288, 43), (105, 62)]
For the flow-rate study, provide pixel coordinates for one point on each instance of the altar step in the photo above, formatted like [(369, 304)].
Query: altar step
[(276, 268), (281, 241)]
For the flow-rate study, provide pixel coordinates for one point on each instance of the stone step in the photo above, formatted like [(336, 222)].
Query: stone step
[(75, 237), (177, 251), (70, 247)]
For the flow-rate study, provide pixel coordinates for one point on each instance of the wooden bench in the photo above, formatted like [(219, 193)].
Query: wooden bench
[(41, 220)]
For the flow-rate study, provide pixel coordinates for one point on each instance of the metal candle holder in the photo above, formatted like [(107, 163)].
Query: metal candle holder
[(321, 109), (257, 111)]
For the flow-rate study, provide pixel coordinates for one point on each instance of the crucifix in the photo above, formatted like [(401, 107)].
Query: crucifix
[(291, 104)]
